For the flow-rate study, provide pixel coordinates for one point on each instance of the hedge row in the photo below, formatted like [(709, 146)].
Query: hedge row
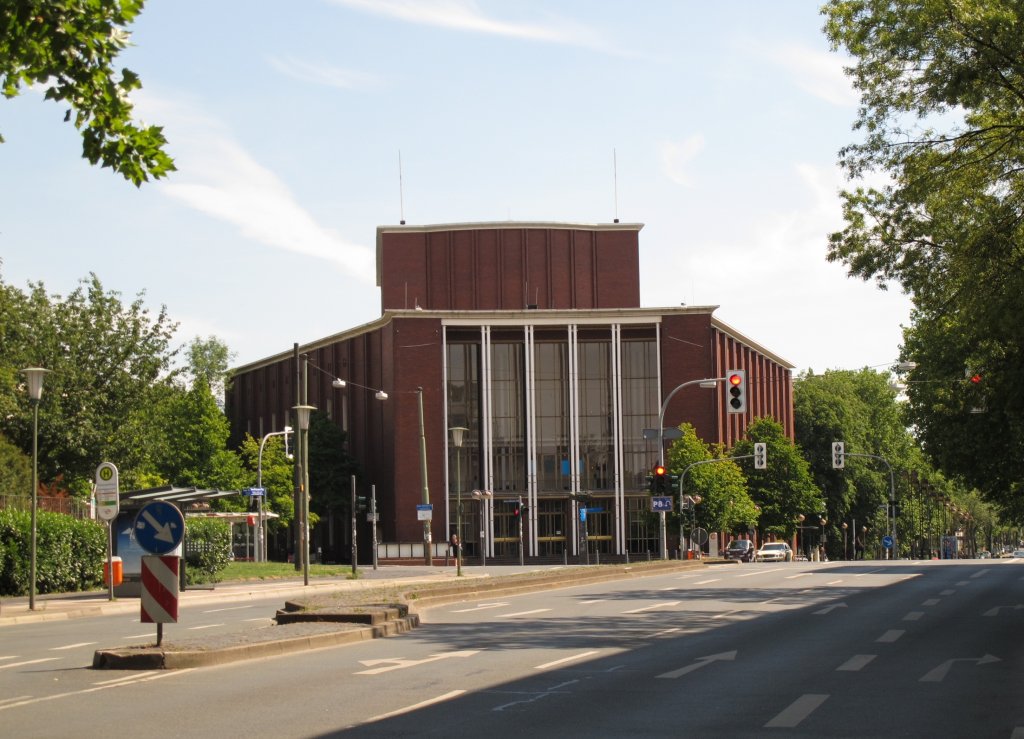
[(69, 552)]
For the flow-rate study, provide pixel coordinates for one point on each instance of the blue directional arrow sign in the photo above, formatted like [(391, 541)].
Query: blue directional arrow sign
[(887, 542), (159, 527)]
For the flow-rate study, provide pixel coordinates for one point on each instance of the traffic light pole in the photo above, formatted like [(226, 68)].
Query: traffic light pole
[(892, 495)]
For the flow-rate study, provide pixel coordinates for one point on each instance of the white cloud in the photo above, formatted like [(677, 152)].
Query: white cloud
[(677, 155), (819, 73), (217, 176), (464, 15), (322, 74)]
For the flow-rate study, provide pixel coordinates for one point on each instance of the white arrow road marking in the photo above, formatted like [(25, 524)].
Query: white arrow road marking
[(163, 531), (797, 711), (856, 663), (995, 611), (939, 673), (829, 609), (701, 662), (480, 607), (397, 663), (665, 604), (416, 706), (573, 658)]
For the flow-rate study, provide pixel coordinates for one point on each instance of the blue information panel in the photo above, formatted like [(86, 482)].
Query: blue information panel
[(661, 503), (159, 527)]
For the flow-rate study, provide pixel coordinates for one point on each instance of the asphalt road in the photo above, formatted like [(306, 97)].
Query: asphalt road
[(800, 649)]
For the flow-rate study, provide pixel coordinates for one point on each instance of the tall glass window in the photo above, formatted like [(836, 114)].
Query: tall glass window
[(597, 448), (464, 410), (639, 409), (551, 375), (508, 410)]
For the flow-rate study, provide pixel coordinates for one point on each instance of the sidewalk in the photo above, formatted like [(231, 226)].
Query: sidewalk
[(59, 606)]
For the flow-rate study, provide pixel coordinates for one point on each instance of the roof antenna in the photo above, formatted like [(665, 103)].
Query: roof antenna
[(615, 178), (401, 193)]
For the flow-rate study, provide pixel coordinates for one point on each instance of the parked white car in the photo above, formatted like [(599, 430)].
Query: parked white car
[(774, 551)]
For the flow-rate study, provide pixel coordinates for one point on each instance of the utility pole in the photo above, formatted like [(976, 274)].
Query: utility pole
[(428, 548)]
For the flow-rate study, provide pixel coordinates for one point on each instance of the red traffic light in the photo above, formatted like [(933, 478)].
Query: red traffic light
[(659, 471), (735, 379), (975, 378)]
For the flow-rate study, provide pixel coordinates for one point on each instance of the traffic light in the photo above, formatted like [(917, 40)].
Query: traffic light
[(673, 484), (760, 455), (361, 503), (838, 455), (517, 511), (660, 487), (736, 391)]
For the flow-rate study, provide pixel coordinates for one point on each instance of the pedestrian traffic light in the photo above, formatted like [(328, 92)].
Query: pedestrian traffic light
[(517, 510), (760, 455), (361, 503), (659, 480), (736, 391), (838, 455)]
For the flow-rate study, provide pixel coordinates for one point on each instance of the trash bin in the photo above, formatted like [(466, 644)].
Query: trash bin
[(118, 569)]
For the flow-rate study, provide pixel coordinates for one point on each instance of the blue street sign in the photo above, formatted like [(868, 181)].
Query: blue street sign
[(254, 492), (159, 527), (661, 503), (887, 542)]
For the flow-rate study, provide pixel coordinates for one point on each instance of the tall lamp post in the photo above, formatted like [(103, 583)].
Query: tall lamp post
[(457, 435), (35, 393), (261, 555), (302, 448)]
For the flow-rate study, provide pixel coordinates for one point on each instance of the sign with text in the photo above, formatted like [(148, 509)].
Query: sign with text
[(108, 499)]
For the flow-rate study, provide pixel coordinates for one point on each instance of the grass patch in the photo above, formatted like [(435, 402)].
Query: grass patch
[(279, 571)]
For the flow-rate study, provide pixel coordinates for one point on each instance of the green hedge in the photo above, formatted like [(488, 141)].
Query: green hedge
[(69, 553), (207, 549)]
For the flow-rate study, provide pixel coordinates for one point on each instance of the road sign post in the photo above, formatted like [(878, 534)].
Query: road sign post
[(160, 592), (108, 504)]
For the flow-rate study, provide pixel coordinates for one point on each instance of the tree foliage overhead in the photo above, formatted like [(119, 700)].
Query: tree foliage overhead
[(942, 118), (69, 48)]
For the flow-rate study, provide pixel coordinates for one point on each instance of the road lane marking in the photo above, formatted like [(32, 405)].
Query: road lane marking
[(856, 663), (397, 663), (913, 616), (932, 602), (232, 608), (125, 678), (592, 602), (204, 626), (73, 646), (698, 663), (979, 574), (995, 611), (797, 711), (947, 592), (28, 662), (891, 635), (480, 607), (938, 674), (705, 582), (799, 574), (535, 696), (726, 614), (834, 582), (141, 636), (760, 572), (572, 658), (829, 609), (13, 699), (663, 632), (96, 687), (666, 604), (962, 583), (522, 613), (417, 706)]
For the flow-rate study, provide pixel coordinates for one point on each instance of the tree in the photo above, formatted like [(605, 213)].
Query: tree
[(277, 477), (69, 47), (110, 368), (784, 489), (942, 113), (725, 504), (15, 470), (330, 466)]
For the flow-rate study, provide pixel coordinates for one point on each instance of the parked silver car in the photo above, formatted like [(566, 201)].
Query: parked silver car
[(774, 551)]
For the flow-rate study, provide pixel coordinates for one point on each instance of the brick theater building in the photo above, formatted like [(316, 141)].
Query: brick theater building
[(531, 338)]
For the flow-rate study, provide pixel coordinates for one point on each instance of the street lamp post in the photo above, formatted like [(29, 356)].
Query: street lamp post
[(261, 555), (35, 393), (484, 496), (457, 437), (302, 448), (821, 543), (846, 552)]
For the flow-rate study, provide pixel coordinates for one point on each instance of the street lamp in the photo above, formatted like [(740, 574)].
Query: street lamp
[(846, 552), (457, 436), (302, 448), (483, 496), (35, 393), (821, 543), (261, 536)]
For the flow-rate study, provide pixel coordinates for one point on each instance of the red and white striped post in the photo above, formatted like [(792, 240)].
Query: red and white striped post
[(160, 592)]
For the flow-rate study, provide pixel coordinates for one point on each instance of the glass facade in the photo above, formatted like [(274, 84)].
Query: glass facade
[(555, 418)]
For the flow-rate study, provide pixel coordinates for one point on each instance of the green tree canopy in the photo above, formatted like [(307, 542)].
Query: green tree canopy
[(942, 119), (69, 48), (725, 504), (784, 489), (330, 466)]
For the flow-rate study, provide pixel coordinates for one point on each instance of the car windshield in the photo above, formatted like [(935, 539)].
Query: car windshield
[(774, 546), (739, 545)]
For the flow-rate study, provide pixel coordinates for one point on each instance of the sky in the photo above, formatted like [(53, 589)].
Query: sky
[(299, 127)]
